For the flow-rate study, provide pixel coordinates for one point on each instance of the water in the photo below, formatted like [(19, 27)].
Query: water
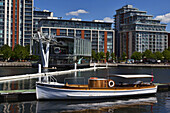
[(159, 103)]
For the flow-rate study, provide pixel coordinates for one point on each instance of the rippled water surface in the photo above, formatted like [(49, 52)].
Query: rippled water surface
[(159, 103)]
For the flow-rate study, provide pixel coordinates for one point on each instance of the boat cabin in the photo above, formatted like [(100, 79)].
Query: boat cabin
[(95, 82)]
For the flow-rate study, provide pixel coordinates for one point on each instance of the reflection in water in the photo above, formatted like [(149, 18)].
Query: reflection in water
[(94, 105), (144, 104), (22, 107), (133, 105)]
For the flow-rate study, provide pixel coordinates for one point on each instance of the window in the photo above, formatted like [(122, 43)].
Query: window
[(1, 3)]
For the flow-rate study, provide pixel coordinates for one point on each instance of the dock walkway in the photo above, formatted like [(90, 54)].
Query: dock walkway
[(129, 65), (28, 76)]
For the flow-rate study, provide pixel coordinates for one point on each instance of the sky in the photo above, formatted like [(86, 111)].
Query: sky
[(89, 10)]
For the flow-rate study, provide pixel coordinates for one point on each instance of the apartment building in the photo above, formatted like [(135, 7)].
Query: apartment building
[(16, 22), (137, 31), (98, 32)]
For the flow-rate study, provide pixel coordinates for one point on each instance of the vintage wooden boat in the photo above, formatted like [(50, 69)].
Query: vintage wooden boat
[(96, 88)]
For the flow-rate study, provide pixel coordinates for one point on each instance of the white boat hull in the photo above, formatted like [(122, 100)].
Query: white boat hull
[(47, 92)]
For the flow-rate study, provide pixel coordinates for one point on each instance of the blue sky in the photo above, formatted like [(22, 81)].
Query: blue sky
[(103, 9)]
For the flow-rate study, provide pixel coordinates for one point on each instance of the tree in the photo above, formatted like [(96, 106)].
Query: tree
[(148, 54), (20, 52), (158, 55), (6, 51), (124, 56), (107, 56), (34, 57), (113, 56), (102, 55), (97, 56), (166, 54), (27, 48), (136, 55), (168, 48)]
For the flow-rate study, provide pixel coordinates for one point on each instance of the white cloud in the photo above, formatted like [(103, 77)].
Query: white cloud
[(76, 13), (108, 19), (164, 18)]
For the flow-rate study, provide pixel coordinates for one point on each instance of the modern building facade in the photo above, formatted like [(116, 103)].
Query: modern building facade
[(38, 15), (98, 32), (168, 39), (138, 31), (62, 49), (16, 22)]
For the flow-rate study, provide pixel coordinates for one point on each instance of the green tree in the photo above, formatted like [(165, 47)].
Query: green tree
[(124, 56), (102, 55), (148, 54), (113, 56), (98, 56), (20, 52), (166, 54), (158, 55), (34, 57), (168, 48), (136, 55), (27, 48), (6, 51), (107, 56)]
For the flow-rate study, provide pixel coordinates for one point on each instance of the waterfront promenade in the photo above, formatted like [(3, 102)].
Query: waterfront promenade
[(35, 75), (29, 64), (129, 65), (15, 64)]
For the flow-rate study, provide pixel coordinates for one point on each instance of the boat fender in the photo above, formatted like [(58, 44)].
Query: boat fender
[(111, 83)]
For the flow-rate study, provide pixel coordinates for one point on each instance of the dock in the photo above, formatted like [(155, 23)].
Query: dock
[(129, 65), (17, 95), (15, 64), (28, 76)]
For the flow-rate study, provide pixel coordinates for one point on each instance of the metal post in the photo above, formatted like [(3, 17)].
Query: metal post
[(106, 65), (75, 66), (39, 71), (39, 68), (94, 66), (47, 78)]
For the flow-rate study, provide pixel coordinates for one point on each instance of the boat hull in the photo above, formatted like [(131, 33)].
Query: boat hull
[(47, 92)]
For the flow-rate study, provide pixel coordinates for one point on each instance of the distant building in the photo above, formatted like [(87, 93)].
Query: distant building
[(38, 15), (137, 31), (64, 49), (16, 22), (98, 32), (168, 39)]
